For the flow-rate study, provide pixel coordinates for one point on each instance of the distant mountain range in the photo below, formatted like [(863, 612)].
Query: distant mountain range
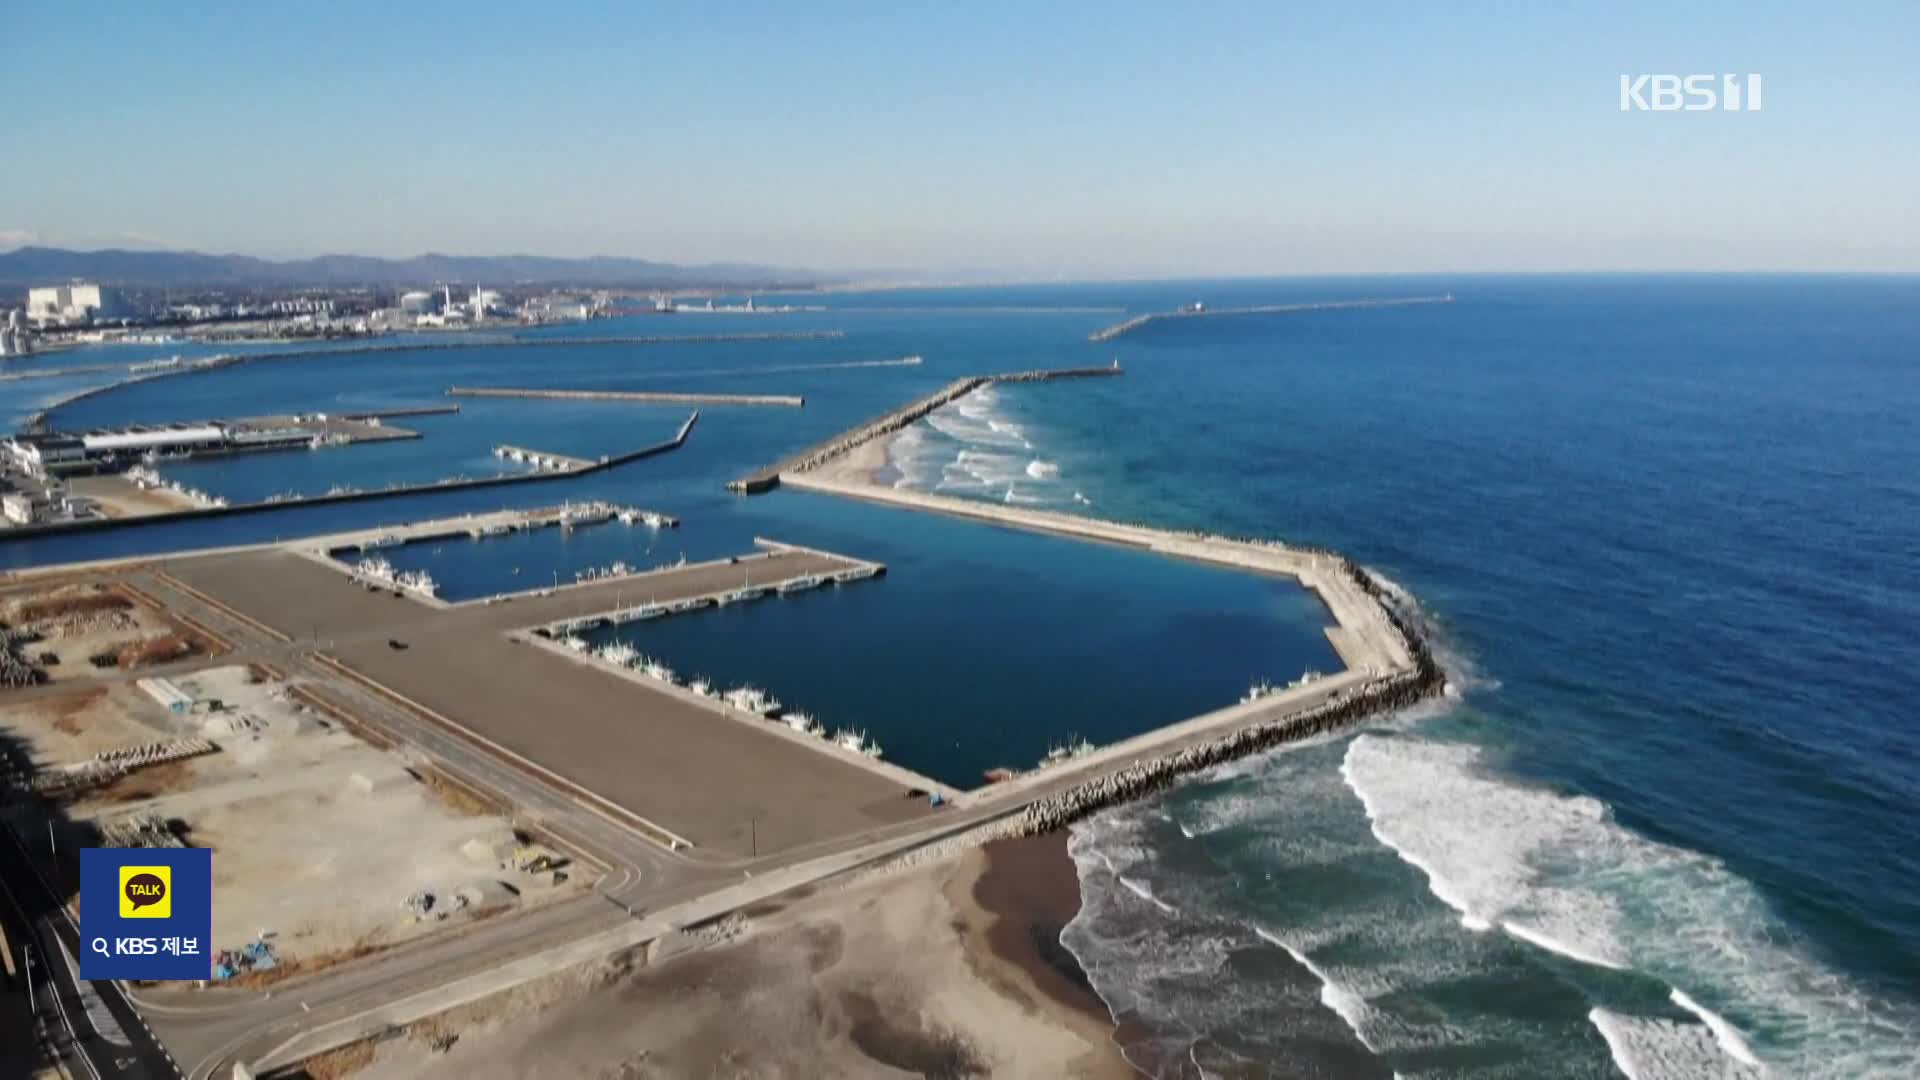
[(29, 266)]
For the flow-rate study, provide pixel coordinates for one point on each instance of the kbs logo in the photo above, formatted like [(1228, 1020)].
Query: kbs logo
[(1689, 93), (146, 892)]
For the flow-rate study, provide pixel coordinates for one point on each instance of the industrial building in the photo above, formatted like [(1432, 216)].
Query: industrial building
[(74, 303), (420, 302), (57, 454)]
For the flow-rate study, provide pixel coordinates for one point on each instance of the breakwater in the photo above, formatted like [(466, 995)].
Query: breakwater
[(893, 420), (641, 396), (38, 420), (396, 414), (58, 528), (1136, 322), (1143, 779)]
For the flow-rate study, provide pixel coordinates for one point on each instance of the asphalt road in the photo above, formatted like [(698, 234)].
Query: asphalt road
[(91, 1026)]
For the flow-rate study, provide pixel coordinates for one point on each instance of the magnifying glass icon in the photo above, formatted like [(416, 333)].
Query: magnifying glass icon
[(100, 946)]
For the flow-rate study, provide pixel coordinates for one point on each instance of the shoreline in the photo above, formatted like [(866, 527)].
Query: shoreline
[(1028, 889), (932, 969)]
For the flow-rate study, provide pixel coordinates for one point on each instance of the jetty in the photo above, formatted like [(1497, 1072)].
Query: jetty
[(640, 396), (887, 423), (1197, 311)]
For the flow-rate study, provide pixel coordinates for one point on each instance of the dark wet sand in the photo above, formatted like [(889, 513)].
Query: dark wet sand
[(1031, 886)]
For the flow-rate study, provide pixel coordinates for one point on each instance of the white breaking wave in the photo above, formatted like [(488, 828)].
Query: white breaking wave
[(1556, 871), (1348, 1005), (1648, 1048), (1535, 937), (988, 455), (1144, 893), (1723, 1033)]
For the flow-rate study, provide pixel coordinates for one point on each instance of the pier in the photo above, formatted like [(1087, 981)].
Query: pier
[(541, 459), (886, 424), (639, 396), (1198, 312)]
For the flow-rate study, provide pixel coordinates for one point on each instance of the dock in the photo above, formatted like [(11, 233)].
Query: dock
[(768, 478), (1129, 325), (649, 397)]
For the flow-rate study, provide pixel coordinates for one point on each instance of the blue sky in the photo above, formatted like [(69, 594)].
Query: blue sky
[(1022, 140)]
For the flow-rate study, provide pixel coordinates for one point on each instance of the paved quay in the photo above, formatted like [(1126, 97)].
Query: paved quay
[(647, 753)]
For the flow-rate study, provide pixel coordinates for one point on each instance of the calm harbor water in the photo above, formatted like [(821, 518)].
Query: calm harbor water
[(1668, 529)]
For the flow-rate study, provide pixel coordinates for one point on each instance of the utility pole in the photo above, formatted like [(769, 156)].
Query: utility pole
[(51, 849), (26, 953)]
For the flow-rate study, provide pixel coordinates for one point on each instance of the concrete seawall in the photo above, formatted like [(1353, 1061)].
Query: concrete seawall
[(62, 528), (1136, 322), (642, 396), (893, 420)]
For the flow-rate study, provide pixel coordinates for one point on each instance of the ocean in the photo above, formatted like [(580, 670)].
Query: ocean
[(1664, 529)]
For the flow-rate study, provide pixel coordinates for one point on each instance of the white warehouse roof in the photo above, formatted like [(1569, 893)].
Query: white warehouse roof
[(141, 440)]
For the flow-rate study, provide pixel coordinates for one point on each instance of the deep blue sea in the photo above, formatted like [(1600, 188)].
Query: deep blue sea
[(1666, 529)]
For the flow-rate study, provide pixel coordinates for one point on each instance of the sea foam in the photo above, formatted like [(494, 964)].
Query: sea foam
[(1557, 872)]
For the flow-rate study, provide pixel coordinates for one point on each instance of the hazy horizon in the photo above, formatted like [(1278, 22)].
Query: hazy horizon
[(999, 142)]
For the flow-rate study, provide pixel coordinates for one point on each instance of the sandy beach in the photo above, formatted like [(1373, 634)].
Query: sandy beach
[(864, 464), (951, 968)]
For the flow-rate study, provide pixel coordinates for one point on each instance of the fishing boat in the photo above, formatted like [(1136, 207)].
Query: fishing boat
[(802, 722), (751, 699), (618, 653), (801, 584), (856, 740)]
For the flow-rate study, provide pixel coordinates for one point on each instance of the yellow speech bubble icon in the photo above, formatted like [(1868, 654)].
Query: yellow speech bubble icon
[(146, 892)]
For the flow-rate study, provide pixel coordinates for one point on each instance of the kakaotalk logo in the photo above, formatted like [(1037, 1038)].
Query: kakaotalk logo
[(1689, 93), (146, 892)]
